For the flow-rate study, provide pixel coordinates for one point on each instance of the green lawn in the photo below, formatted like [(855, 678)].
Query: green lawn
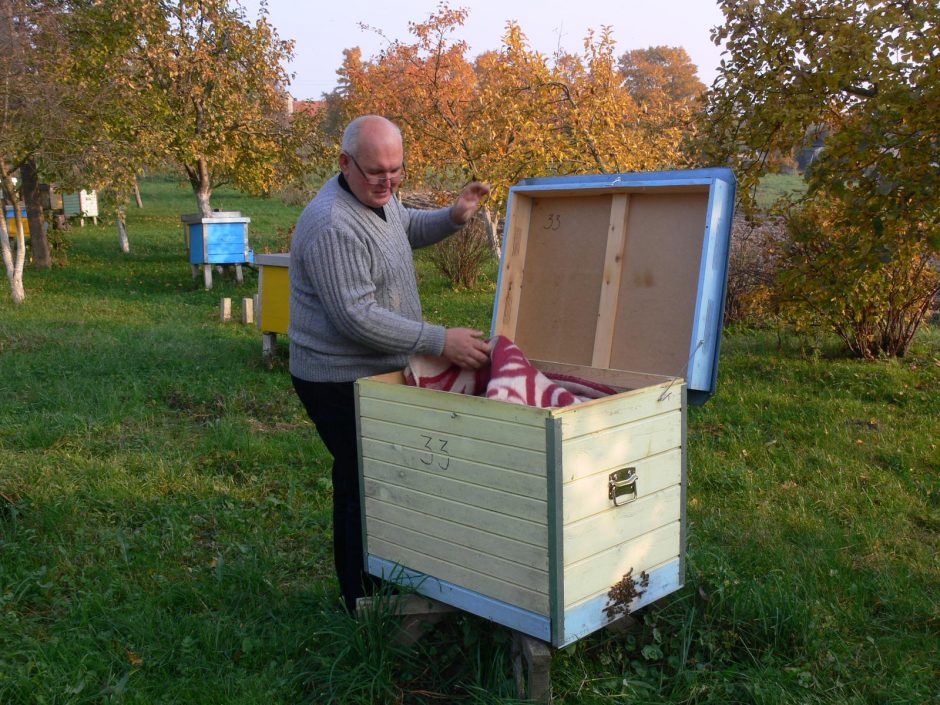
[(776, 186), (165, 513)]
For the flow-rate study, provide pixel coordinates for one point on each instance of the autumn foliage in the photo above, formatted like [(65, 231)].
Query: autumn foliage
[(862, 77), (873, 293), (212, 89), (511, 113)]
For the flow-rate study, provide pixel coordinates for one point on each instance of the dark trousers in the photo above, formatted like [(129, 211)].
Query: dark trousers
[(331, 406)]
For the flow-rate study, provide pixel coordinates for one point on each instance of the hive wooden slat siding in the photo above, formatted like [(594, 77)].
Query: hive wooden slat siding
[(513, 505), (502, 478), (625, 524), (273, 312), (505, 580), (501, 590), (602, 542), (414, 437), (391, 387), (459, 513), (459, 488), (455, 487), (606, 569), (587, 496), (495, 544)]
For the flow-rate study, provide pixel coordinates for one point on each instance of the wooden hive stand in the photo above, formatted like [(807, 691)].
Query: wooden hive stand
[(531, 658)]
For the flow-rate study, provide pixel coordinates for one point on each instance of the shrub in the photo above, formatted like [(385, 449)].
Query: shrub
[(873, 283), (752, 269), (462, 256)]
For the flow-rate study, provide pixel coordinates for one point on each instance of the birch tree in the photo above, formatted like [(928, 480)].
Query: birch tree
[(22, 102)]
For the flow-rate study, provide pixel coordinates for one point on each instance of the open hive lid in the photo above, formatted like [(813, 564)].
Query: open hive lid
[(619, 272)]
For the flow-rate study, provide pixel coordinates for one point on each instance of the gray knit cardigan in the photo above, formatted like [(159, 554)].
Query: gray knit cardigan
[(354, 306)]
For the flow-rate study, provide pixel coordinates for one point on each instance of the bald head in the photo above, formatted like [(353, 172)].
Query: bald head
[(372, 159), (368, 128)]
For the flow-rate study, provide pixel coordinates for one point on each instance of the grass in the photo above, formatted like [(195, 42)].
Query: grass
[(774, 187), (165, 513)]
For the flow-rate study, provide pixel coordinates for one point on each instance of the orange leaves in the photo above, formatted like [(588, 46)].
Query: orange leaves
[(510, 113)]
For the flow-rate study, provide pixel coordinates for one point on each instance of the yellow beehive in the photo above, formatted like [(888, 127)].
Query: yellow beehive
[(273, 315), (10, 216)]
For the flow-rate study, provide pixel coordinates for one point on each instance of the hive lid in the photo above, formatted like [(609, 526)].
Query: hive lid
[(619, 272), (274, 259), (217, 217)]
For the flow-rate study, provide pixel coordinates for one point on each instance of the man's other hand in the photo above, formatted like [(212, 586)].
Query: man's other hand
[(466, 348), (468, 202)]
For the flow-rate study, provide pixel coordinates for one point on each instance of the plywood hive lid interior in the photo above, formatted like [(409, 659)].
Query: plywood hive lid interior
[(624, 273)]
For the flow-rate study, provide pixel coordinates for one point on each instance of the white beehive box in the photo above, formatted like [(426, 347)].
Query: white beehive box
[(84, 204), (530, 516)]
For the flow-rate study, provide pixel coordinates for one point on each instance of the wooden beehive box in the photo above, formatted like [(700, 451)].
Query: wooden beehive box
[(221, 239), (84, 204), (10, 216), (273, 311), (527, 516)]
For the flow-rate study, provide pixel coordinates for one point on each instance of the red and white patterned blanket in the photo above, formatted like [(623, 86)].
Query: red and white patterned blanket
[(509, 377)]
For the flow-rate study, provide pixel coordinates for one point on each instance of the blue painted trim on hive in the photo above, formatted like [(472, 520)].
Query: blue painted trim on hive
[(609, 182), (194, 219), (589, 616), (521, 620), (710, 295), (224, 239), (227, 248), (726, 219), (224, 258), (656, 178)]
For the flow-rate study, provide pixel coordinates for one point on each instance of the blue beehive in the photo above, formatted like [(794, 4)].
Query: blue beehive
[(221, 239)]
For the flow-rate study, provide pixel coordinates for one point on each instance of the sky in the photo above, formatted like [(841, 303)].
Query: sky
[(321, 30)]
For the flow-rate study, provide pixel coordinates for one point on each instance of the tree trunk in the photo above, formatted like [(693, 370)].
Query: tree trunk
[(202, 187), (42, 258), (122, 232), (491, 235), (13, 266), (205, 209), (140, 203)]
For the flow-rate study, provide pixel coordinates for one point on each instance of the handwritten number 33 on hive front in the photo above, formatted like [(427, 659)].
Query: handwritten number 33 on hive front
[(430, 442), (553, 223)]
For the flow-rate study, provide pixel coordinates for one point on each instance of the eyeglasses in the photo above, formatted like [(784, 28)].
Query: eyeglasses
[(394, 177)]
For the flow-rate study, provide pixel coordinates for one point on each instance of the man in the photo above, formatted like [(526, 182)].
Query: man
[(354, 307)]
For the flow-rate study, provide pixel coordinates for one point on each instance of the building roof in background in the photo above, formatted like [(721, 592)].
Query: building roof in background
[(311, 107)]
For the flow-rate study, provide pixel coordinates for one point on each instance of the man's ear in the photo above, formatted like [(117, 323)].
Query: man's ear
[(344, 162)]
